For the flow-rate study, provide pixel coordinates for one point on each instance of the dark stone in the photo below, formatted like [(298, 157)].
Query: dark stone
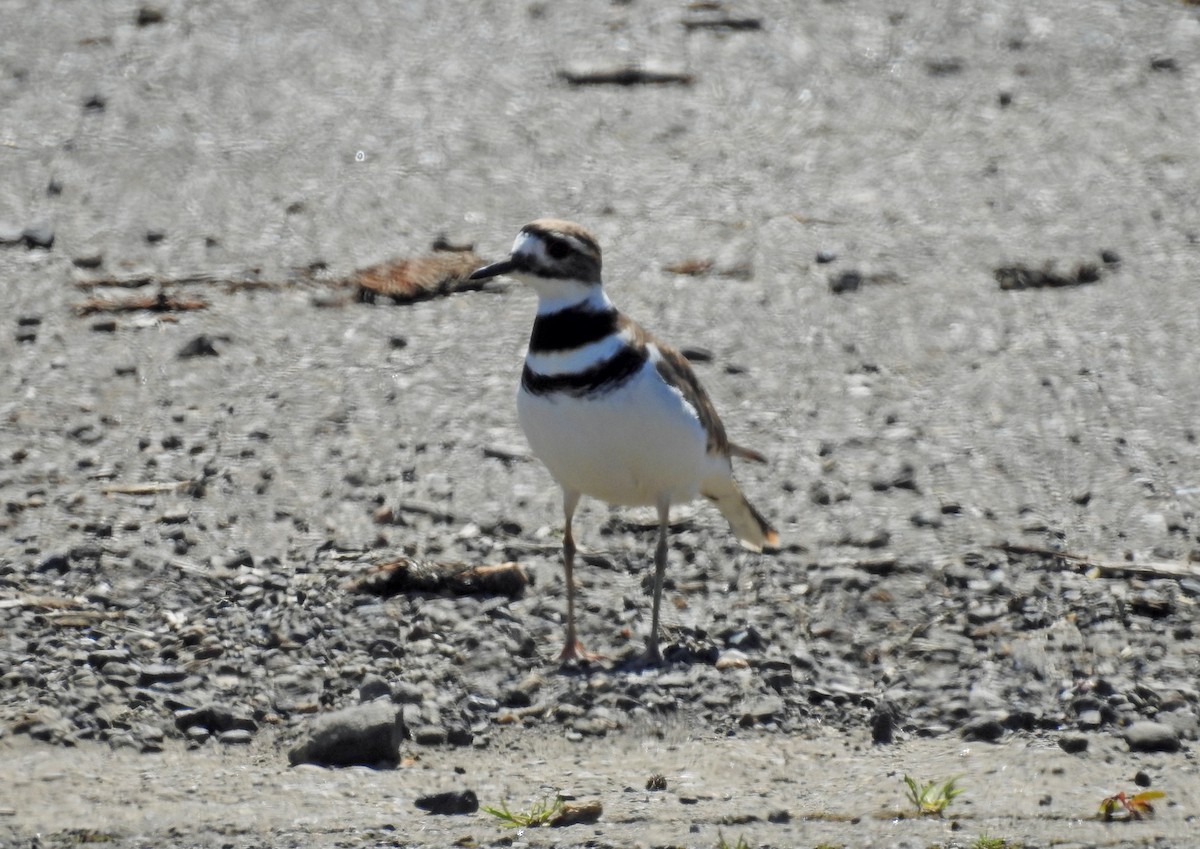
[(201, 346), (1073, 744), (985, 729), (847, 281), (40, 235), (449, 803), (364, 735), (160, 673), (1151, 737), (55, 563), (883, 722), (148, 15)]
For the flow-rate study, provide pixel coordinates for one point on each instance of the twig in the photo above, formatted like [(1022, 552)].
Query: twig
[(143, 488), (1153, 569)]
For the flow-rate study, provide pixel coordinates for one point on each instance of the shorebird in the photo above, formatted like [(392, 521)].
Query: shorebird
[(611, 411)]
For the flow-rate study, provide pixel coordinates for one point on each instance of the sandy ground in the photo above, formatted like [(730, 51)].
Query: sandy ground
[(831, 789), (928, 147)]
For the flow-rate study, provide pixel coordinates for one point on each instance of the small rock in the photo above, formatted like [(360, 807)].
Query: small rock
[(1073, 744), (577, 813), (201, 346), (847, 281), (762, 710), (214, 718), (160, 673), (40, 235), (1148, 736), (985, 728), (57, 563), (373, 687), (11, 234), (363, 735), (429, 735), (88, 261), (1141, 778), (235, 737), (450, 803), (148, 15), (883, 722)]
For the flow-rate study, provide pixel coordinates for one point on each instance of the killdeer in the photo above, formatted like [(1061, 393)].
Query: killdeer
[(613, 412)]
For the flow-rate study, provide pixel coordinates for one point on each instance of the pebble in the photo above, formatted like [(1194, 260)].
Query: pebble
[(1146, 736), (449, 803), (1073, 744), (363, 735), (40, 235), (199, 346)]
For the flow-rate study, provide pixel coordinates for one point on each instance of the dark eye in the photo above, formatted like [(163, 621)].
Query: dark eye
[(557, 248)]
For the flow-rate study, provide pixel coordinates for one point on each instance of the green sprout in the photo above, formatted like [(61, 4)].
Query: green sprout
[(723, 844), (984, 841), (539, 814), (932, 799)]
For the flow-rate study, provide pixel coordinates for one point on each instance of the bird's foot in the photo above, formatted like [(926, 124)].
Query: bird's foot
[(574, 650), (653, 655)]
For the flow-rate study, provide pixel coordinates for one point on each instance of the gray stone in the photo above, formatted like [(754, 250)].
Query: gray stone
[(365, 735), (1148, 736), (1073, 744)]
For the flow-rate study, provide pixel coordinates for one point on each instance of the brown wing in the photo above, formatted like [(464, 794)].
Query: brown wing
[(677, 371)]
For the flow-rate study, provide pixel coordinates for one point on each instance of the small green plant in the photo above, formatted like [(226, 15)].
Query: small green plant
[(984, 841), (1136, 807), (723, 844), (932, 799), (541, 813)]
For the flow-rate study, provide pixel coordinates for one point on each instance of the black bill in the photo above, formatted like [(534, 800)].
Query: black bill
[(493, 270)]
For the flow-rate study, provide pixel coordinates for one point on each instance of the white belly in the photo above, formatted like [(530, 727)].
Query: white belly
[(631, 446)]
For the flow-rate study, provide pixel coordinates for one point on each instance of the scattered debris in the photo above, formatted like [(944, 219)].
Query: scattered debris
[(690, 267), (581, 813), (945, 67), (716, 18), (1136, 807), (847, 281), (851, 280), (1105, 568), (159, 302), (418, 278), (151, 488), (1022, 276), (449, 803), (625, 75), (249, 279), (201, 346), (407, 575)]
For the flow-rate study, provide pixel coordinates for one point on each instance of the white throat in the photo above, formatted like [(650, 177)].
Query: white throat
[(557, 295)]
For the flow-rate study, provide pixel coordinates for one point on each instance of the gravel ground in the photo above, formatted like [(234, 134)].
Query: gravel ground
[(947, 265)]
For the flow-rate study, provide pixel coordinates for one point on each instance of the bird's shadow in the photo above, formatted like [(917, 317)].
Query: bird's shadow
[(632, 662)]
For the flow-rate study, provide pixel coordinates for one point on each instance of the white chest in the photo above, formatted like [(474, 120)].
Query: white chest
[(633, 445)]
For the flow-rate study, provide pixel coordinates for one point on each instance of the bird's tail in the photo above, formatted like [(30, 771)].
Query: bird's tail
[(754, 531)]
